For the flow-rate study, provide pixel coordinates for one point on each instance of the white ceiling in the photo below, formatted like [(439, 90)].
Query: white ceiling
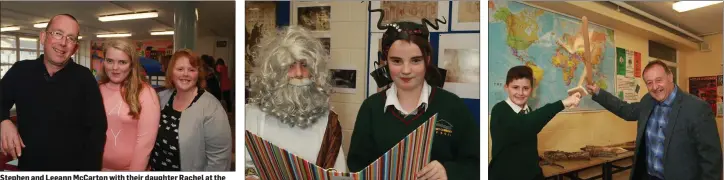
[(701, 21), (216, 18)]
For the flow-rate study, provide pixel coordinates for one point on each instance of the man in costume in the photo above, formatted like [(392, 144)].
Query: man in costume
[(289, 103)]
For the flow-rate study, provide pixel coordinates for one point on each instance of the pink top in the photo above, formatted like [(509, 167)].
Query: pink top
[(224, 79), (129, 141)]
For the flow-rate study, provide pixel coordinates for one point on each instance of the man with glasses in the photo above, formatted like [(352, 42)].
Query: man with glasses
[(61, 122)]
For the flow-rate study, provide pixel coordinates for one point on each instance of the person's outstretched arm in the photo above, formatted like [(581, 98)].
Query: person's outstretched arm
[(622, 109), (514, 127)]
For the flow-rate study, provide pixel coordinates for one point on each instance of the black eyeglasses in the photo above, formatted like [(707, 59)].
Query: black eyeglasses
[(59, 36)]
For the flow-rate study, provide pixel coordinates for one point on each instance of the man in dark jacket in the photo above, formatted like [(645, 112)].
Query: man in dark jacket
[(61, 122), (676, 134)]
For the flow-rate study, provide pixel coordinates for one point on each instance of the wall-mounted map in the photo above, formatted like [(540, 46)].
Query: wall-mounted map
[(552, 46)]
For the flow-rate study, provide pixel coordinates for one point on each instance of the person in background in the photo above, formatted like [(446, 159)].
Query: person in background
[(61, 121), (676, 135), (514, 128), (212, 77), (194, 133), (164, 62), (131, 107), (226, 83)]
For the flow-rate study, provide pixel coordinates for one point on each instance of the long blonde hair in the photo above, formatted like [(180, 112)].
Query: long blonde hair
[(133, 85)]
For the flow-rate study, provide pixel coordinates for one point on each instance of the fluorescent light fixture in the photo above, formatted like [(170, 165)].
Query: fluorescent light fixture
[(10, 28), (157, 33), (80, 37), (120, 17), (27, 39), (113, 35), (40, 25), (682, 6)]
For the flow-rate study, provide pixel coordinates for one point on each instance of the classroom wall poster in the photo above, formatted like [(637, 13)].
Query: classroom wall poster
[(706, 88), (260, 20), (628, 63), (626, 88), (459, 55), (620, 61), (637, 64), (398, 10)]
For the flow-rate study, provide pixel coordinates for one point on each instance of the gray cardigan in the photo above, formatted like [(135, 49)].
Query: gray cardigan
[(204, 134)]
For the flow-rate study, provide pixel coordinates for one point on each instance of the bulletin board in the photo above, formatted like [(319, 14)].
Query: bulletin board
[(468, 41)]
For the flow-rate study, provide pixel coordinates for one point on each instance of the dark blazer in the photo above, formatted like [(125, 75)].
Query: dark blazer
[(692, 148)]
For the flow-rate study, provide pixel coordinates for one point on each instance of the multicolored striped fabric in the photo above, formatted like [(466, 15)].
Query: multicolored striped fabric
[(403, 161)]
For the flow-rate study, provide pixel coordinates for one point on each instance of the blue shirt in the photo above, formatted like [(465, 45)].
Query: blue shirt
[(655, 136)]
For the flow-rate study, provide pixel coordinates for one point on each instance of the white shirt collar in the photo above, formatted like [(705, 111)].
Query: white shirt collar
[(394, 101), (515, 107)]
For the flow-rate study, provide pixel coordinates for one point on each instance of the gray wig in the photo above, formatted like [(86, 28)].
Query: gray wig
[(270, 89)]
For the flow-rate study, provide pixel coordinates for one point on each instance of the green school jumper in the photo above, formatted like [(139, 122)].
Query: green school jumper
[(456, 144), (515, 141)]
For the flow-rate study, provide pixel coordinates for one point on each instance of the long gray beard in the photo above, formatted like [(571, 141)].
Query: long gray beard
[(296, 105)]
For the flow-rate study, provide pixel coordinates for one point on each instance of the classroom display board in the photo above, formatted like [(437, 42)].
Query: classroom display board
[(628, 69), (455, 45), (552, 45)]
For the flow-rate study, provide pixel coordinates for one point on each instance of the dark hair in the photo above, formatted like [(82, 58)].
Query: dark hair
[(51, 20), (520, 72), (432, 75), (656, 63), (220, 62), (208, 60)]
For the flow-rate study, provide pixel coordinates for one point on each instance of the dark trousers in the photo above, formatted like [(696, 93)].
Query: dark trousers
[(229, 102)]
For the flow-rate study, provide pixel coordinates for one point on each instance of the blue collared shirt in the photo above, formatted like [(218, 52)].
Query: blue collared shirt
[(655, 135)]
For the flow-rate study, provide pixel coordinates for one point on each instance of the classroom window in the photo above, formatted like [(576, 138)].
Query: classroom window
[(28, 43), (14, 48), (25, 55), (7, 59), (7, 41), (666, 54)]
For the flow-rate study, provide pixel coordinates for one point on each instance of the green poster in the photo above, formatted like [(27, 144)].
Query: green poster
[(620, 61)]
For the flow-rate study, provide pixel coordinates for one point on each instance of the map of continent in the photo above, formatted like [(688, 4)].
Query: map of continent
[(552, 45)]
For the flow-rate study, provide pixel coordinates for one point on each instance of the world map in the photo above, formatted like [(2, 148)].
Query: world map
[(552, 45)]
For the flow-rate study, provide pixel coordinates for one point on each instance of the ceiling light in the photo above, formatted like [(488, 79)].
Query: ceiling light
[(80, 37), (157, 33), (27, 39), (40, 25), (10, 28), (113, 35), (682, 6), (120, 17)]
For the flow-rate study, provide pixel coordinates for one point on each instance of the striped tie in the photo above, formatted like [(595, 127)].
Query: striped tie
[(524, 111)]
